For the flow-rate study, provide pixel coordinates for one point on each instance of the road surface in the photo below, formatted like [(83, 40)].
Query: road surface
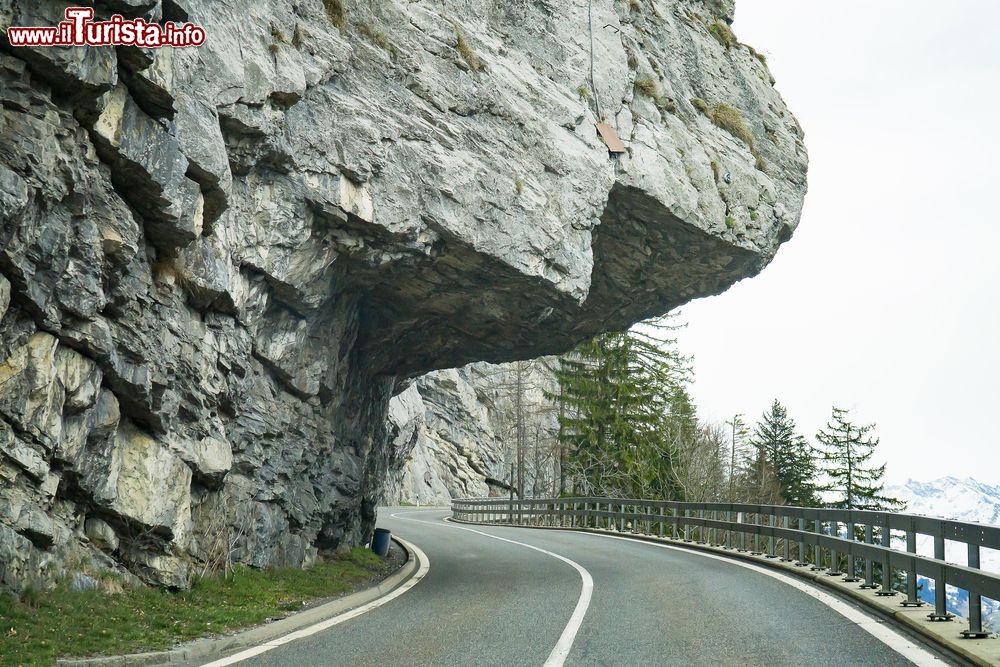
[(516, 596)]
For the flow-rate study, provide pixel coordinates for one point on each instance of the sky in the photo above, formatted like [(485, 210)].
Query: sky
[(885, 301)]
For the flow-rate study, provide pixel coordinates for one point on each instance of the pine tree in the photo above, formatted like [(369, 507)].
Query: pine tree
[(621, 399), (846, 452), (787, 456)]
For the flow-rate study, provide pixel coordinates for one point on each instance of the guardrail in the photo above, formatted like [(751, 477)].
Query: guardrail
[(859, 539)]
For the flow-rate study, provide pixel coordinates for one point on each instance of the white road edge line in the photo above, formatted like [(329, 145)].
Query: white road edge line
[(562, 648), (336, 620), (894, 640)]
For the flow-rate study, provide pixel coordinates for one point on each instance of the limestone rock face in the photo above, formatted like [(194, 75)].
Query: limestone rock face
[(218, 264), (453, 433)]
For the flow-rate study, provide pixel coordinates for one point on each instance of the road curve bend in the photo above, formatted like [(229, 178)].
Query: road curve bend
[(514, 596)]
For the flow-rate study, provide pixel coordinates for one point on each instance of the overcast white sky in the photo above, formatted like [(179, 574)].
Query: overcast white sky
[(886, 299)]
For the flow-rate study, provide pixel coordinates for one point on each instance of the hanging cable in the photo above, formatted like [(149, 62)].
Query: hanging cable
[(593, 83)]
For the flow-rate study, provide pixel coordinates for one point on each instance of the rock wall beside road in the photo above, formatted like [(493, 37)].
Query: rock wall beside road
[(218, 264)]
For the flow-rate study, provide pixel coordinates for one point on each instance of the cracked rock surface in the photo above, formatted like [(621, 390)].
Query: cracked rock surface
[(218, 264)]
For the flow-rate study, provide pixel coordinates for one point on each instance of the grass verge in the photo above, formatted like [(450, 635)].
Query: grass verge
[(62, 623)]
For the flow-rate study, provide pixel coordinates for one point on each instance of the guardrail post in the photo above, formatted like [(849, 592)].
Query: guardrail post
[(869, 566), (834, 570), (887, 589), (729, 533), (911, 572), (975, 630), (852, 563), (787, 551), (740, 516), (772, 521), (817, 549), (687, 526), (940, 612), (803, 559), (662, 515), (756, 535)]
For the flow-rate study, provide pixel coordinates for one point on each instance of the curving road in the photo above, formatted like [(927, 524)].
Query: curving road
[(515, 596)]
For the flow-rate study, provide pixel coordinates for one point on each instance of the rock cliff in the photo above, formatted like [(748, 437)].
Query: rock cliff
[(453, 433), (218, 264)]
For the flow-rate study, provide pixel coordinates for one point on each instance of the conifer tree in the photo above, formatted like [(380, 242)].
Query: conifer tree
[(786, 455), (621, 398), (846, 450)]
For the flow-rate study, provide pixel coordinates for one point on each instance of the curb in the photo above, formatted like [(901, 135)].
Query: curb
[(202, 649), (980, 652)]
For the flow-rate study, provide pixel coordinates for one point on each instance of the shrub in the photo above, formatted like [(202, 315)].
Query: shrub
[(583, 92), (464, 50), (715, 170), (664, 103), (634, 5), (519, 185), (723, 33), (378, 38), (646, 87), (731, 120), (699, 104), (730, 223), (335, 12), (753, 214), (757, 54)]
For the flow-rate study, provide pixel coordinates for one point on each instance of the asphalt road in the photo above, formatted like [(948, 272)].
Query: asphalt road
[(487, 601)]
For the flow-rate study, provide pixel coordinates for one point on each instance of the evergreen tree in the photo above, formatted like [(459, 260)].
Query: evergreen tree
[(846, 452), (621, 399), (785, 455)]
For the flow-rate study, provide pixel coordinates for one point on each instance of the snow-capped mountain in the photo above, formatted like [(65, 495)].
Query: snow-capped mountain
[(962, 500), (950, 498)]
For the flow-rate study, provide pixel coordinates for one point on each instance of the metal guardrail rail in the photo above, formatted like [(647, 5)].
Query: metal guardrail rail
[(822, 539)]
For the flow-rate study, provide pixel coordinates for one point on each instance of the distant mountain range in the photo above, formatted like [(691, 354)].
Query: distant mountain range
[(962, 500)]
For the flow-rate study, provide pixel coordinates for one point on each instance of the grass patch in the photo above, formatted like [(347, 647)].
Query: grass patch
[(715, 170), (730, 223), (335, 12), (378, 38), (60, 622), (757, 54), (646, 87), (583, 92), (664, 103), (753, 214), (465, 50), (634, 5), (731, 120), (723, 33), (519, 185)]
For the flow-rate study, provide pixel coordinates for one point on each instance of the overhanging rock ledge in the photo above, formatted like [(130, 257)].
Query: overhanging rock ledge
[(218, 264)]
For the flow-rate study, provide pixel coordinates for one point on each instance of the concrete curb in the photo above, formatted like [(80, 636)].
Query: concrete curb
[(216, 647), (980, 652)]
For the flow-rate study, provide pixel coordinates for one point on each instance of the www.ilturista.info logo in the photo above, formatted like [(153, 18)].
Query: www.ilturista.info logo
[(79, 29)]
